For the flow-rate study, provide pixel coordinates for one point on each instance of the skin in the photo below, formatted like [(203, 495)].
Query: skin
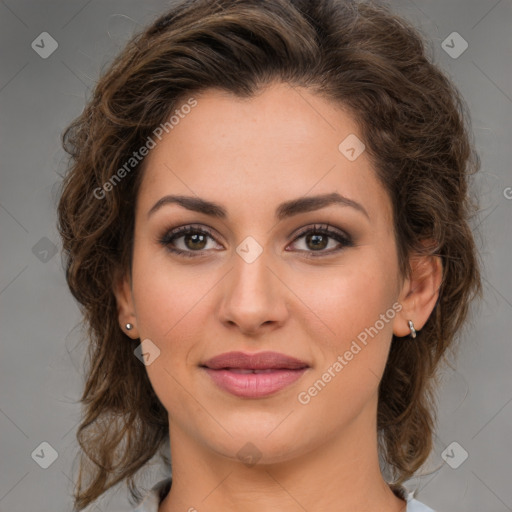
[(250, 155)]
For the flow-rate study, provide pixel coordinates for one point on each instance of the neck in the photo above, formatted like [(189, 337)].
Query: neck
[(340, 475)]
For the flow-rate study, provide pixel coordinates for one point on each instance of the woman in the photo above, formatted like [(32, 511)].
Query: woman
[(266, 222)]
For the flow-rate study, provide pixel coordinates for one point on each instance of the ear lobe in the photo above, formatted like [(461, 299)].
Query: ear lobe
[(420, 292), (125, 306)]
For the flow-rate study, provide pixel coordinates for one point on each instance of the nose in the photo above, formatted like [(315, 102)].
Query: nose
[(254, 296)]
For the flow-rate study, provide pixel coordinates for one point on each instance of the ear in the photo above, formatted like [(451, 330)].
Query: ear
[(419, 293), (122, 289)]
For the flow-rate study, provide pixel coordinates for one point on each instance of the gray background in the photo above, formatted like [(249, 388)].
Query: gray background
[(41, 359)]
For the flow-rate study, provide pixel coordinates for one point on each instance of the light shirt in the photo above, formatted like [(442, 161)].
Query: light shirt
[(155, 496)]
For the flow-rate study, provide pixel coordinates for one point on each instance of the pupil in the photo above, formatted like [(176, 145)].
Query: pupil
[(195, 240), (316, 238)]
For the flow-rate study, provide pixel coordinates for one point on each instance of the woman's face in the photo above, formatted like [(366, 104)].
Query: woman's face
[(254, 277)]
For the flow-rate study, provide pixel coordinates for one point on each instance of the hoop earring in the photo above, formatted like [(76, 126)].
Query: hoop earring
[(129, 327), (413, 330)]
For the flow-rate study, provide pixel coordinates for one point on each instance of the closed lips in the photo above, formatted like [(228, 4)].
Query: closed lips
[(246, 370), (261, 362), (254, 376)]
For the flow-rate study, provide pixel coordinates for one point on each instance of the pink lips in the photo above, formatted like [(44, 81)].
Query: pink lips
[(254, 375)]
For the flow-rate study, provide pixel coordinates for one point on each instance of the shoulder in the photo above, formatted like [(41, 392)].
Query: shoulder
[(415, 505), (154, 497)]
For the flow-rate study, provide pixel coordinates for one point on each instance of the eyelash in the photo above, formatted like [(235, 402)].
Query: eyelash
[(323, 229)]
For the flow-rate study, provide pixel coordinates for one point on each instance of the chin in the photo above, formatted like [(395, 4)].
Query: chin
[(258, 443)]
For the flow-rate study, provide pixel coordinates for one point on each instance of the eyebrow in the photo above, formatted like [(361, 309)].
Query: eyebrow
[(283, 211)]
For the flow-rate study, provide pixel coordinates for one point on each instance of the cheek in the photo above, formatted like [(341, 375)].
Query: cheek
[(165, 295), (360, 311), (168, 305), (172, 302), (351, 298), (353, 360)]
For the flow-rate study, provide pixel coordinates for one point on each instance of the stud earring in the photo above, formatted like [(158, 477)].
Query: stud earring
[(413, 330), (129, 327)]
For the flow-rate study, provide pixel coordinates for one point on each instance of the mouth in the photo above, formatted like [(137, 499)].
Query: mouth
[(254, 375)]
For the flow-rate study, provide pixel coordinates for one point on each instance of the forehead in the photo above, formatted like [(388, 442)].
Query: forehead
[(282, 143)]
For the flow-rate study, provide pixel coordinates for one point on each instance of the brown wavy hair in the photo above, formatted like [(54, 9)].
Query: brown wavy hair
[(416, 128)]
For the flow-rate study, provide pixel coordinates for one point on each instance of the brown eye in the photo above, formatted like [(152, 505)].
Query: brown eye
[(193, 240), (317, 238), (317, 241)]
